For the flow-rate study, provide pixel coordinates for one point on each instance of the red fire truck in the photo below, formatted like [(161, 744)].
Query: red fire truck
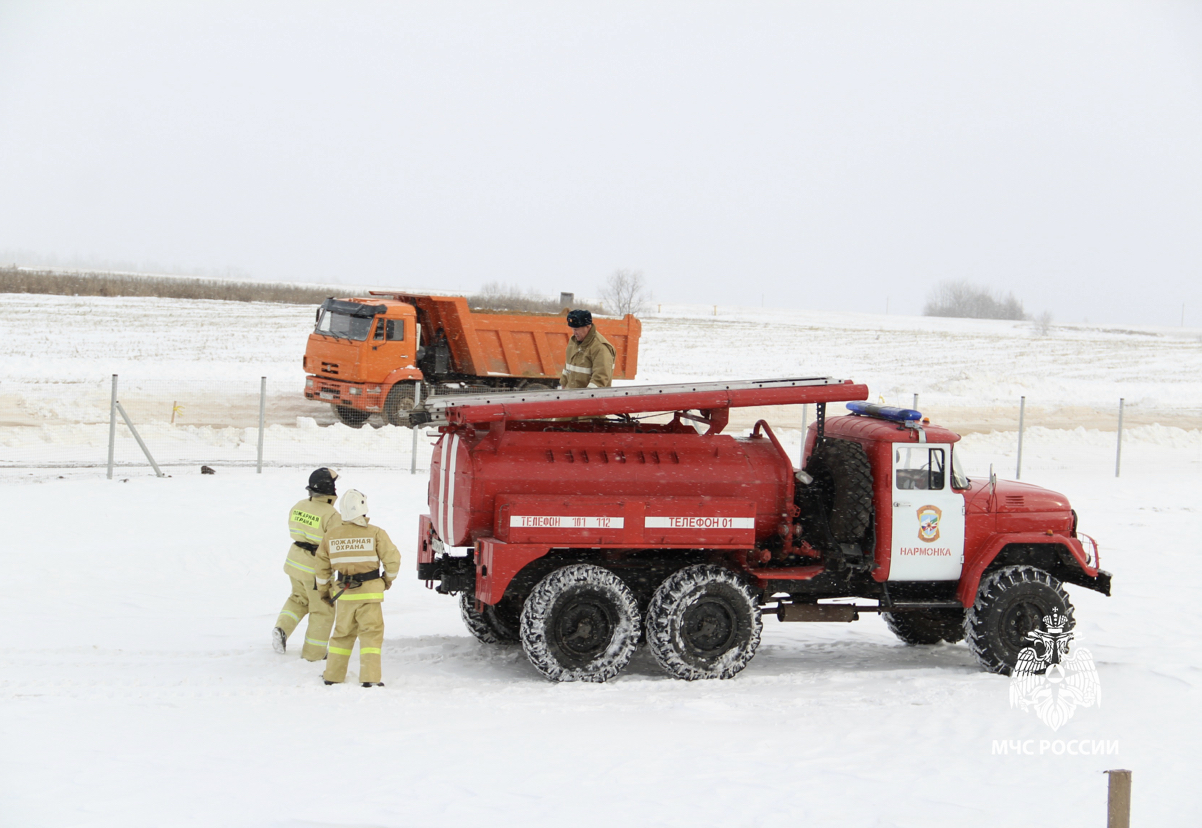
[(569, 522)]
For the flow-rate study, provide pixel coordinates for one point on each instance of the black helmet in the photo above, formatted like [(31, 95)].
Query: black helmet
[(579, 318), (321, 482)]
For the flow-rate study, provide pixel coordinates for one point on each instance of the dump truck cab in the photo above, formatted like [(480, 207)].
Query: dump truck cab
[(359, 352)]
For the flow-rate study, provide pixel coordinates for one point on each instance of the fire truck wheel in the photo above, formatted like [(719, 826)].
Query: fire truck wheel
[(703, 623), (580, 623), (352, 417), (1011, 602), (490, 626), (398, 404), (927, 626), (840, 469)]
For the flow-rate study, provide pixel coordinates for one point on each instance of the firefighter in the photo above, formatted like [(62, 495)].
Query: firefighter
[(590, 358), (308, 523), (349, 561)]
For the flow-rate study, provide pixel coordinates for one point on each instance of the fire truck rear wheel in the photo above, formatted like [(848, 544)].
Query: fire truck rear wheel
[(398, 404), (703, 623), (580, 623), (352, 417), (927, 626), (1011, 602), (840, 468), (490, 626)]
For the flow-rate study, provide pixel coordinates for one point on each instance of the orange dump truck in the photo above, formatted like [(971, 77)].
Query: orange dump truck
[(368, 356)]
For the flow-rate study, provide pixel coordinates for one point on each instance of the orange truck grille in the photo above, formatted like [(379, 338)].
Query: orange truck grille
[(363, 397)]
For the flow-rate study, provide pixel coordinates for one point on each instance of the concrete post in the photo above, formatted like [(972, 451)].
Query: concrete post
[(1118, 801), (1118, 452), (1022, 410), (112, 426), (263, 417)]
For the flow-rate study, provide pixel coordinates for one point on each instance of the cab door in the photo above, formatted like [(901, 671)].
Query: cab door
[(928, 515), (389, 346)]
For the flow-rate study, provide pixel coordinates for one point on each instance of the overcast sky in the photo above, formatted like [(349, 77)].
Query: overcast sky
[(835, 155)]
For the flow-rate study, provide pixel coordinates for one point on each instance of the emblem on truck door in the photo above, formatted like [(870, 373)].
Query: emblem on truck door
[(928, 523)]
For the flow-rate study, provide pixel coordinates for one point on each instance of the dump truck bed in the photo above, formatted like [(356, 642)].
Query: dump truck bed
[(506, 344)]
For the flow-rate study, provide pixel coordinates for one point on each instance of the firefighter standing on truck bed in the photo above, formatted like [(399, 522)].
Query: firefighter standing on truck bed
[(308, 522), (590, 358), (349, 562)]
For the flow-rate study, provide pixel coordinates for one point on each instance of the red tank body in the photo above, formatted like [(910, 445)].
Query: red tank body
[(535, 483)]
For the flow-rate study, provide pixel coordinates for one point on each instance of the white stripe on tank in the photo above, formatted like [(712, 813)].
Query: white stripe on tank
[(441, 517), (450, 519)]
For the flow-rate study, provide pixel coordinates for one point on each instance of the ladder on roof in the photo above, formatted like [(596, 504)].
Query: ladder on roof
[(634, 399)]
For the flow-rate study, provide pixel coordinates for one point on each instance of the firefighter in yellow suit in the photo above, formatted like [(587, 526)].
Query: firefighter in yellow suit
[(308, 522), (358, 562)]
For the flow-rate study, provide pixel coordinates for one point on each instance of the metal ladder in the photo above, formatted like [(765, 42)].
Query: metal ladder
[(628, 399)]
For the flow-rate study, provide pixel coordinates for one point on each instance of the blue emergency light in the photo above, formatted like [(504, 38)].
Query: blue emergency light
[(884, 412)]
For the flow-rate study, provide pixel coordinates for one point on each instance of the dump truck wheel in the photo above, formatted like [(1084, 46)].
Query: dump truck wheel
[(703, 623), (580, 623), (398, 404), (352, 417), (927, 626), (1010, 603), (489, 626), (841, 471)]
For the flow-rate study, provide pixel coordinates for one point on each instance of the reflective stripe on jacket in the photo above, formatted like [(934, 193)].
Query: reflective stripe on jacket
[(352, 548), (308, 522), (588, 364)]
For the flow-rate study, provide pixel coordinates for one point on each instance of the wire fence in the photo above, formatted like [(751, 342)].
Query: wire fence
[(191, 423)]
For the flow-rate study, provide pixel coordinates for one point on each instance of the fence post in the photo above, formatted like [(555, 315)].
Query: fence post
[(157, 471), (417, 401), (1022, 410), (1118, 452), (112, 425), (263, 417), (1118, 800), (805, 425)]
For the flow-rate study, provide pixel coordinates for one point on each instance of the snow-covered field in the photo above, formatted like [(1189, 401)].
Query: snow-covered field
[(138, 686)]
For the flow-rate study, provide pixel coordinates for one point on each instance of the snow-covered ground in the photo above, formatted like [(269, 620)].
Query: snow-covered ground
[(138, 686)]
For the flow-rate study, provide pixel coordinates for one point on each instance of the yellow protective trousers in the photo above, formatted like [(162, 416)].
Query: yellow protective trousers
[(303, 601), (356, 619)]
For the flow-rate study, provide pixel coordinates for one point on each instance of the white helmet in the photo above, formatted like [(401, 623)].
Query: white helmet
[(353, 505)]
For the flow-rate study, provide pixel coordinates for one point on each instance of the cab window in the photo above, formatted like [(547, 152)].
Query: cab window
[(396, 329), (380, 329), (919, 467)]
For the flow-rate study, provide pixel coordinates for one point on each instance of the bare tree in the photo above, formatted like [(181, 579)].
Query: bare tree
[(625, 292), (1043, 323), (968, 301)]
